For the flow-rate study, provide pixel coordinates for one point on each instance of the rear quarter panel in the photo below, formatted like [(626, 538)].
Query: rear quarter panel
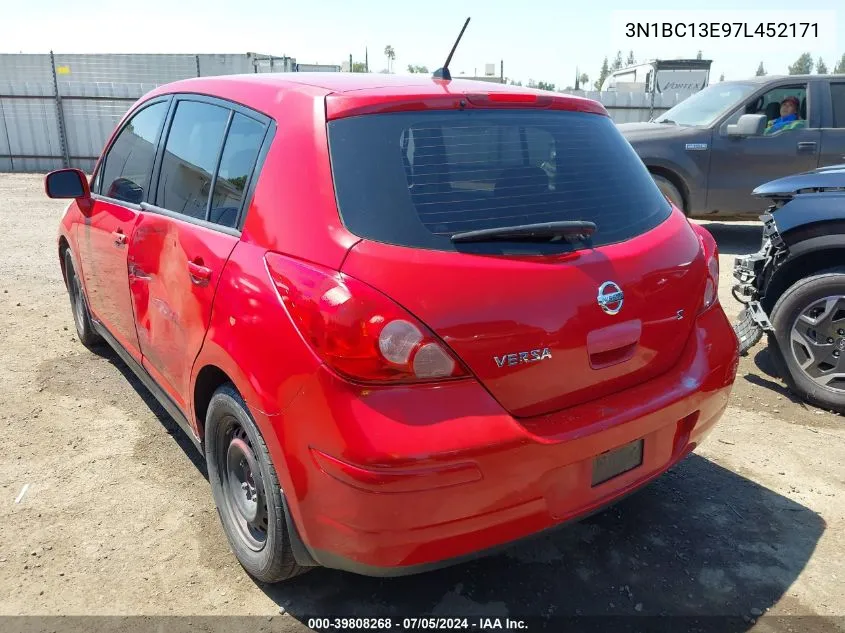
[(294, 210)]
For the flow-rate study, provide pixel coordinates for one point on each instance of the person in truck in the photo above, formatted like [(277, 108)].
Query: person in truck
[(788, 119)]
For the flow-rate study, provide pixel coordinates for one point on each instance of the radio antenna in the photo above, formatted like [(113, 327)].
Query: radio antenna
[(443, 73)]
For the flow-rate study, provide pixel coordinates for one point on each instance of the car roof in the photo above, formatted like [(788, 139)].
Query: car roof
[(338, 82), (767, 78), (262, 89)]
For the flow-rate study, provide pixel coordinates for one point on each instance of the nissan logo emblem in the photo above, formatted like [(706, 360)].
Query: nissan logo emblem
[(610, 297)]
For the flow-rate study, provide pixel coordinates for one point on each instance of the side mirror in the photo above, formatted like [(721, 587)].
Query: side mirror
[(748, 125), (67, 183)]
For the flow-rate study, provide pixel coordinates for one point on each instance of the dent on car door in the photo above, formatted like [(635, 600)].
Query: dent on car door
[(122, 183), (833, 136), (183, 241)]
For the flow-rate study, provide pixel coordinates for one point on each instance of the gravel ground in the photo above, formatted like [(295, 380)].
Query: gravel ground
[(117, 517)]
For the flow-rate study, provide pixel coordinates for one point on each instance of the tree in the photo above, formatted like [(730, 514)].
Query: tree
[(803, 65), (617, 62), (417, 69), (391, 55), (760, 70), (542, 85), (631, 60), (698, 55), (603, 73), (821, 67), (722, 77), (584, 79), (840, 67), (359, 67)]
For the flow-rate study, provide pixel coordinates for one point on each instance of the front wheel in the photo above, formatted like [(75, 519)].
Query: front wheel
[(246, 489), (809, 337), (670, 191)]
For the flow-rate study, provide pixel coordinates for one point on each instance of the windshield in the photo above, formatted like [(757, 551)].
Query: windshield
[(417, 178), (704, 107)]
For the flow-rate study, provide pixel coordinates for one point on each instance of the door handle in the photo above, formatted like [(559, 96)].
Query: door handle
[(200, 274), (807, 147), (119, 237)]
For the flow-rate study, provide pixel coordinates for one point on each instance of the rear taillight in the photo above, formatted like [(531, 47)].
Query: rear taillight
[(711, 258), (711, 287), (356, 330)]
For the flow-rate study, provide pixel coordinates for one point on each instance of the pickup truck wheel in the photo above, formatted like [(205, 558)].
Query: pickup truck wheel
[(809, 324), (79, 306), (246, 489), (670, 191)]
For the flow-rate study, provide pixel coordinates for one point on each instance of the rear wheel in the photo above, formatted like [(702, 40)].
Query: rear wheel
[(79, 306), (809, 323), (246, 489), (670, 191)]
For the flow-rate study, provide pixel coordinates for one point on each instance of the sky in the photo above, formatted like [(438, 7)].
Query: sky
[(543, 40)]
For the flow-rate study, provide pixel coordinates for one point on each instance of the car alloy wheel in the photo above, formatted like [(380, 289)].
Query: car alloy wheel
[(817, 341)]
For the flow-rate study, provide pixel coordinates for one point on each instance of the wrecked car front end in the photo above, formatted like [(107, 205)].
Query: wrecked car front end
[(803, 233)]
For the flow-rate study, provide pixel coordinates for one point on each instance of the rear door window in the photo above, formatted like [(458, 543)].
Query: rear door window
[(128, 165), (837, 93), (243, 142), (417, 178), (190, 157)]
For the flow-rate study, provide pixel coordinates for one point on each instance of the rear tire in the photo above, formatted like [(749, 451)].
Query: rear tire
[(79, 306), (670, 191), (801, 351), (246, 490)]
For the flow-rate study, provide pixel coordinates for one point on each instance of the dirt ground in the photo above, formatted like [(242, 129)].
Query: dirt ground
[(117, 517)]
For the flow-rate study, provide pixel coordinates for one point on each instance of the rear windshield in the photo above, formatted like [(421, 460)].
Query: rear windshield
[(417, 178)]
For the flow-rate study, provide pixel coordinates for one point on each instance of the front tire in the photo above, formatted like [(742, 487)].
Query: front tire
[(670, 191), (79, 306), (809, 339), (246, 490)]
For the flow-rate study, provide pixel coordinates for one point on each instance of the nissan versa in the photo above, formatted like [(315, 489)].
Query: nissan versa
[(406, 320)]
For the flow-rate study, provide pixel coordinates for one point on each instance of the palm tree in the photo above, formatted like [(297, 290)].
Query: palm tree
[(391, 55)]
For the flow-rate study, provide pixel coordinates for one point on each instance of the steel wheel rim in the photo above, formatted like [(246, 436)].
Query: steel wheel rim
[(245, 501), (817, 342)]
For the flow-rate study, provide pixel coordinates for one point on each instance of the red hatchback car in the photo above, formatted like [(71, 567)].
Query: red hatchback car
[(407, 320)]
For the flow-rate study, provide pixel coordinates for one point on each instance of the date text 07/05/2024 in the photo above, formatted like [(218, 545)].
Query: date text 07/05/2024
[(414, 624)]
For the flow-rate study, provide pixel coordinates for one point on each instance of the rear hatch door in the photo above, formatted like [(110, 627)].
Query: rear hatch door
[(543, 324)]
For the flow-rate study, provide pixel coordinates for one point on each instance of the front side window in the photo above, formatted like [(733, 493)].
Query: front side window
[(784, 108), (190, 157), (127, 168), (243, 143)]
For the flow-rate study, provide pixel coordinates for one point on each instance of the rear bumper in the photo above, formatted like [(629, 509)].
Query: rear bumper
[(391, 481)]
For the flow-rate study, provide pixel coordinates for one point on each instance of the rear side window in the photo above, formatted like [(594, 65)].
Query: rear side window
[(129, 163), (837, 93), (243, 143), (417, 178), (190, 157)]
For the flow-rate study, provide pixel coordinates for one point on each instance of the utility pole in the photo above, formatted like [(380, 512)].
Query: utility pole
[(502, 70), (350, 62), (366, 60)]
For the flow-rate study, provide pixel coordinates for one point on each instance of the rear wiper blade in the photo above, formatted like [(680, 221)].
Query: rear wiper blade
[(543, 232)]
